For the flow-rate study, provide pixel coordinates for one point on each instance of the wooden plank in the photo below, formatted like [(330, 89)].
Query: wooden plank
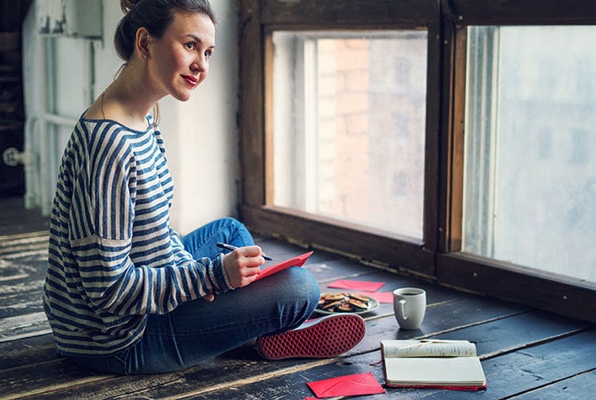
[(538, 366), (353, 12), (18, 290), (575, 387), (572, 298), (22, 352), (23, 326), (457, 70), (516, 332), (251, 102), (27, 301), (523, 11), (268, 128), (23, 263), (432, 233), (446, 319), (14, 244), (45, 377)]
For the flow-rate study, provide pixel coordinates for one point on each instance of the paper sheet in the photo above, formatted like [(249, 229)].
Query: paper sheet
[(347, 385), (356, 285)]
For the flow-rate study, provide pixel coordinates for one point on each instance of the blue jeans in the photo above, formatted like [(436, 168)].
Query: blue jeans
[(198, 330)]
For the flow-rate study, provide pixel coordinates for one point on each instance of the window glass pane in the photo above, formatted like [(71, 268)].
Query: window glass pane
[(349, 126), (530, 177)]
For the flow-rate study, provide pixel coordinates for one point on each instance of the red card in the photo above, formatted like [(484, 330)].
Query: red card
[(292, 262), (381, 297), (356, 285), (348, 385)]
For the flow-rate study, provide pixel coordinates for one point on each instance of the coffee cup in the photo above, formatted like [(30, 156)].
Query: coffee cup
[(409, 305)]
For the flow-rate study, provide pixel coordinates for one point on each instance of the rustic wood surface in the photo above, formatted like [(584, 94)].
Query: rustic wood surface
[(526, 353)]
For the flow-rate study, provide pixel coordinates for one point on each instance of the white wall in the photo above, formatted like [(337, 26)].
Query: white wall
[(201, 134)]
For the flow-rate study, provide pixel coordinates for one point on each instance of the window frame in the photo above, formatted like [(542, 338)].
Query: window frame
[(436, 256)]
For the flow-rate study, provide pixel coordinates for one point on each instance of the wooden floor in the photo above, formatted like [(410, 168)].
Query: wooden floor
[(526, 353)]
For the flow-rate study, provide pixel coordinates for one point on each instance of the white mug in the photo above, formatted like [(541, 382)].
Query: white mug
[(409, 305)]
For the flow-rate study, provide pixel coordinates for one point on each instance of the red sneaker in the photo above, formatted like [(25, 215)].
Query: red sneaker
[(325, 337)]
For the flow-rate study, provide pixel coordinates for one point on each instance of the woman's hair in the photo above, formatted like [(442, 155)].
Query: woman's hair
[(153, 15)]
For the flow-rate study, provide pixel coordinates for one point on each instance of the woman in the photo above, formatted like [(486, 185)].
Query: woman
[(124, 293)]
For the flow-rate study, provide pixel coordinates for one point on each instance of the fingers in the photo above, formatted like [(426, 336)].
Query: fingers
[(250, 251), (243, 265)]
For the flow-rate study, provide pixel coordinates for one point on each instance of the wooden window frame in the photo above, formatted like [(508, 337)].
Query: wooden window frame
[(437, 255)]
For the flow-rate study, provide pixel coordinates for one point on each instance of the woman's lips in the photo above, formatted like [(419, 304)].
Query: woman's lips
[(191, 80)]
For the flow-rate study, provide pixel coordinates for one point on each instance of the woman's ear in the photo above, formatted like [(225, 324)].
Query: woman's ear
[(142, 44)]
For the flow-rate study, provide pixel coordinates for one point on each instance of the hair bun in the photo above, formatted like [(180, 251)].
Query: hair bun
[(128, 5)]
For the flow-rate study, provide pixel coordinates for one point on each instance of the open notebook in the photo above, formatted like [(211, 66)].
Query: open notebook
[(447, 364)]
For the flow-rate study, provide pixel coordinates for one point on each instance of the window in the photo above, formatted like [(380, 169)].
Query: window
[(349, 126), (461, 148), (530, 167)]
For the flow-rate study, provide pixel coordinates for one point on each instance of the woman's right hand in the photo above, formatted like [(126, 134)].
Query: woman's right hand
[(243, 265)]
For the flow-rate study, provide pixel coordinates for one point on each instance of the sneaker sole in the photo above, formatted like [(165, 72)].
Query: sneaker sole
[(328, 337)]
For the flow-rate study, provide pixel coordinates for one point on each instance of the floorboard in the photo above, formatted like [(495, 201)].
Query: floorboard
[(542, 365), (572, 388)]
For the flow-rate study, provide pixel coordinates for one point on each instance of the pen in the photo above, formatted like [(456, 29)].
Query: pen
[(232, 248)]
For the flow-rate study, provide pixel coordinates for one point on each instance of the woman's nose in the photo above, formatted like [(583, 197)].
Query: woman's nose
[(200, 64)]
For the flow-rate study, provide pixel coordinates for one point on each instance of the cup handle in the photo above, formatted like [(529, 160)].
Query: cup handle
[(402, 309)]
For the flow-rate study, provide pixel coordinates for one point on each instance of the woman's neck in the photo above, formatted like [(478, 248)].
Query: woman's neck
[(129, 98), (130, 91)]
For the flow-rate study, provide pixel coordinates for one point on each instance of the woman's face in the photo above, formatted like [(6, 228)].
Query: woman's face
[(179, 61)]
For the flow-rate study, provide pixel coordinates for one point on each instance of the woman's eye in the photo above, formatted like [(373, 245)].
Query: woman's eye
[(190, 46), (208, 54)]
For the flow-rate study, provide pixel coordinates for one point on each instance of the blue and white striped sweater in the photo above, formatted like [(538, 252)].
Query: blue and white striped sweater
[(113, 258)]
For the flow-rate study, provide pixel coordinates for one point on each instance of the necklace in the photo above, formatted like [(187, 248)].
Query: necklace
[(103, 94)]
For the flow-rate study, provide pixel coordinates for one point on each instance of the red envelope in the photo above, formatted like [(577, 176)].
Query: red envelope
[(356, 285), (381, 297), (348, 385)]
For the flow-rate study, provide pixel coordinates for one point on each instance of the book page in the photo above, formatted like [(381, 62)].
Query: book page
[(426, 371), (428, 348)]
